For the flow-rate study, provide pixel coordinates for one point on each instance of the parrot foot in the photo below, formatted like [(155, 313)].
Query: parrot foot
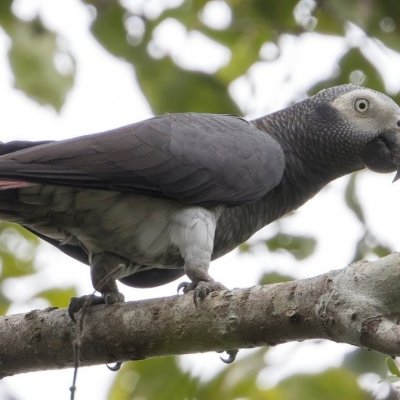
[(200, 289), (77, 304)]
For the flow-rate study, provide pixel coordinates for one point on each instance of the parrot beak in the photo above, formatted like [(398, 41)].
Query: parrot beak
[(382, 154)]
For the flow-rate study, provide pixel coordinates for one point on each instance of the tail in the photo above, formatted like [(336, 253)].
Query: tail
[(7, 184), (11, 147)]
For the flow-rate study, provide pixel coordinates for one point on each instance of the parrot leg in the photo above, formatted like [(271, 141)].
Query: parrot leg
[(201, 283), (105, 269)]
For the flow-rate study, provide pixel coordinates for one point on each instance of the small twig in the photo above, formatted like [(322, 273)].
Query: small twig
[(77, 347), (78, 340)]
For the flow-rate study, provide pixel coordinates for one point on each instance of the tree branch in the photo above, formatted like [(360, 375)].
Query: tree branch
[(359, 305)]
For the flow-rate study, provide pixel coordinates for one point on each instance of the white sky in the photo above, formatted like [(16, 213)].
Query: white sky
[(106, 96)]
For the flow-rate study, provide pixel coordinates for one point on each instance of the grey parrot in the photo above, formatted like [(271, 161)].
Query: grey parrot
[(149, 202)]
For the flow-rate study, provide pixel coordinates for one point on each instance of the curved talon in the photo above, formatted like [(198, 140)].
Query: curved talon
[(231, 356), (204, 288), (115, 367), (185, 286), (200, 289), (77, 304)]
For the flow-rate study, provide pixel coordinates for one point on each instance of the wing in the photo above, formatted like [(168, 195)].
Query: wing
[(203, 159)]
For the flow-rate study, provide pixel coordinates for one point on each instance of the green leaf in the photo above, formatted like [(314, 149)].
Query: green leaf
[(381, 250), (4, 304), (168, 87), (367, 243), (377, 18), (245, 247), (6, 16), (108, 28), (361, 361), (352, 200), (17, 251), (328, 22), (33, 54), (57, 297), (333, 384), (238, 380), (177, 90), (158, 378), (274, 277), (300, 247), (162, 378), (272, 15), (392, 366), (12, 267), (243, 56)]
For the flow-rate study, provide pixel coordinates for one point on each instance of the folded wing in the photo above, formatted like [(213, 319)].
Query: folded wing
[(201, 159)]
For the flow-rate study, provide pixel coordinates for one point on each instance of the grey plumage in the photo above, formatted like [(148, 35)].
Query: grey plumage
[(151, 201), (194, 158)]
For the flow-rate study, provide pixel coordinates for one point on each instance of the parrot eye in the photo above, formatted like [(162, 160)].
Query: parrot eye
[(361, 105)]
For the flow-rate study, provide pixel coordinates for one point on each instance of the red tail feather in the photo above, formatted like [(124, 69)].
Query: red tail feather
[(4, 185)]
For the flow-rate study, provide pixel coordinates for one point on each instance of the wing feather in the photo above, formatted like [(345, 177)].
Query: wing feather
[(195, 158)]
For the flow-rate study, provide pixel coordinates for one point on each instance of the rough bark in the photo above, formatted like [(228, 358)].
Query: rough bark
[(359, 305)]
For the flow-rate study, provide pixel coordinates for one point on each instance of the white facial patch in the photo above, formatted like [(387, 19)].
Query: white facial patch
[(368, 111)]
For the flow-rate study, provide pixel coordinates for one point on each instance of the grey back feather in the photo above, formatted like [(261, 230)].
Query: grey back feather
[(195, 158)]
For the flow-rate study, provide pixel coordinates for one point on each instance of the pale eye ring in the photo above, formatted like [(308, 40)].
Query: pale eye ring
[(361, 105)]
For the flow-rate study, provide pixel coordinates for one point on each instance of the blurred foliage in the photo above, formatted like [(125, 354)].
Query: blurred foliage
[(365, 74), (300, 247), (33, 56), (44, 69), (328, 385), (146, 380), (57, 297), (368, 243), (162, 378), (274, 277), (361, 362), (129, 30), (393, 367), (17, 260), (17, 251)]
